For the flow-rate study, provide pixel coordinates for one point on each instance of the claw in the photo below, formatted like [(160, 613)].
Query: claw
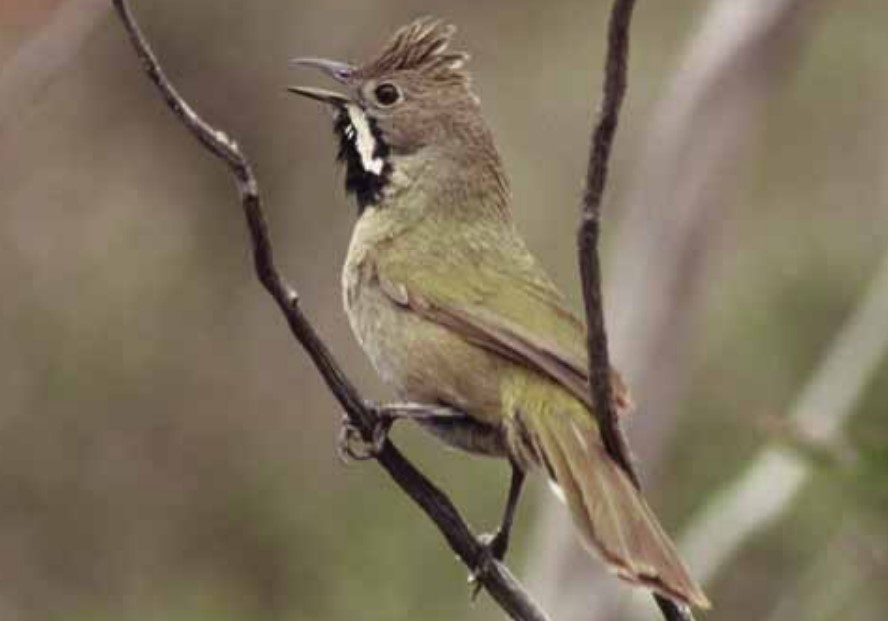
[(497, 543), (351, 445), (495, 546)]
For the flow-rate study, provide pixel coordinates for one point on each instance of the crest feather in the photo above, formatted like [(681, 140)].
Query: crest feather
[(420, 46)]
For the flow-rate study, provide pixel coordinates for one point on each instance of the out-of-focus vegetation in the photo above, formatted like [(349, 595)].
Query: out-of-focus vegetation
[(166, 451)]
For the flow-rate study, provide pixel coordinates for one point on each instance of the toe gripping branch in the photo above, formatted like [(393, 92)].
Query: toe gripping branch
[(353, 445)]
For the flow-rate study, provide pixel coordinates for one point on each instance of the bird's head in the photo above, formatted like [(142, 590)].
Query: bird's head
[(406, 113)]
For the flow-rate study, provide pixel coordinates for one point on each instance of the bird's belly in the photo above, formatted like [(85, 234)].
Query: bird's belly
[(422, 360)]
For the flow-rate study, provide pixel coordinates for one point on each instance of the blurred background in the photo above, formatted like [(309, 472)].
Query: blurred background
[(167, 450)]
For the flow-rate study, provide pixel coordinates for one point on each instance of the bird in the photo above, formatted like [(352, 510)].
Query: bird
[(457, 315)]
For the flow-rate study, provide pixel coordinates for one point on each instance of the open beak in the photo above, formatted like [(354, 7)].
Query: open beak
[(319, 94), (341, 72)]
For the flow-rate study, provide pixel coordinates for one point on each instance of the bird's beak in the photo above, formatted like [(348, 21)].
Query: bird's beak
[(320, 94), (341, 72)]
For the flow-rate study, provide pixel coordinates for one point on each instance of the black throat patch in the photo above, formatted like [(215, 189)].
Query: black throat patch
[(364, 153)]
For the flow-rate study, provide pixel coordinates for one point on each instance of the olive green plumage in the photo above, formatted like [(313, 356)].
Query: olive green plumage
[(451, 307)]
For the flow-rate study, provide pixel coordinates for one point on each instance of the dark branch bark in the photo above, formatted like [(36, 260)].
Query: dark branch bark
[(590, 268), (496, 578)]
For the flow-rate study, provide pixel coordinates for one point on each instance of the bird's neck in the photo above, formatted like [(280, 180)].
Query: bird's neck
[(447, 181), (426, 197)]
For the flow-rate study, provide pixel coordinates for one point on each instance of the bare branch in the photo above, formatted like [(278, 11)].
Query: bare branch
[(590, 269), (587, 236), (495, 577), (675, 213)]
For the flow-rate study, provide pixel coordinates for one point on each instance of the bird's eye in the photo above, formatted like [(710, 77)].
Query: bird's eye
[(387, 94)]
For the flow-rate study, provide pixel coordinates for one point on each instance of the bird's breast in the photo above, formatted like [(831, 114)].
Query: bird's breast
[(421, 359)]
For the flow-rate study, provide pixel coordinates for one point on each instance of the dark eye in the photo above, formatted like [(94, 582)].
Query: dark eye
[(387, 94)]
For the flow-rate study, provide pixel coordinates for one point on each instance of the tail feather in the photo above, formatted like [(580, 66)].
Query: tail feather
[(612, 517)]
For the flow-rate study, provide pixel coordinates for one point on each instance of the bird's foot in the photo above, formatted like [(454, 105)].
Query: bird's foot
[(495, 546), (352, 445), (497, 543)]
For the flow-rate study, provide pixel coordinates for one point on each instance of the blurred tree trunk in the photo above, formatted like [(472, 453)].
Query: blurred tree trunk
[(700, 134)]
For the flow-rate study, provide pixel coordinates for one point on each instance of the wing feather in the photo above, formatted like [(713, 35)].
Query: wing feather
[(507, 306)]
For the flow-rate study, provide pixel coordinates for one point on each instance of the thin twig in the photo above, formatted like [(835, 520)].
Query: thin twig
[(673, 223), (587, 237), (590, 268), (495, 577)]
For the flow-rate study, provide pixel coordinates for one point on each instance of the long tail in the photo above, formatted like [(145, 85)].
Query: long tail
[(613, 519)]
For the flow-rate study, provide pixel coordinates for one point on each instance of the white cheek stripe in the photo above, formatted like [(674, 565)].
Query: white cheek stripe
[(365, 143)]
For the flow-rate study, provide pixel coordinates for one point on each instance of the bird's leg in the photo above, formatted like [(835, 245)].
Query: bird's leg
[(352, 445), (496, 544)]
